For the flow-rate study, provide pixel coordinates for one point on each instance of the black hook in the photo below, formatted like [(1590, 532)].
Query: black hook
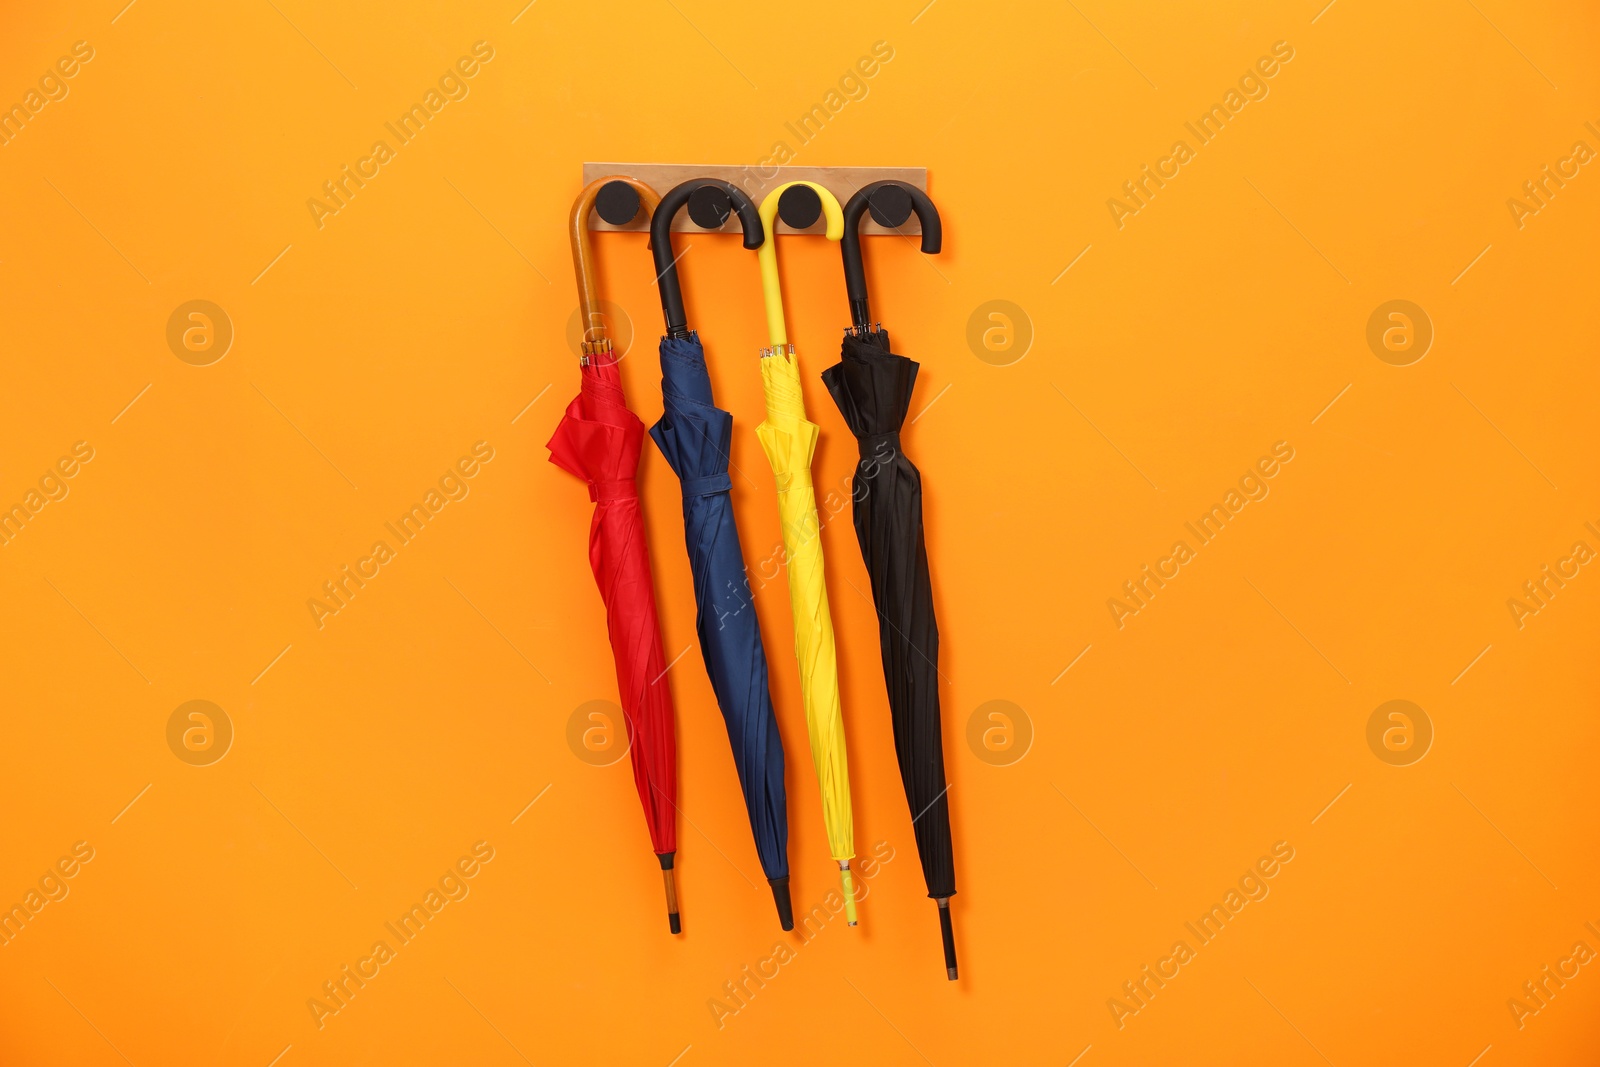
[(891, 203), (800, 207), (710, 202), (617, 203)]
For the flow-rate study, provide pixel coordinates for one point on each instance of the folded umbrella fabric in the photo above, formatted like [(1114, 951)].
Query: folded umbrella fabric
[(789, 440), (872, 387), (599, 440), (694, 435)]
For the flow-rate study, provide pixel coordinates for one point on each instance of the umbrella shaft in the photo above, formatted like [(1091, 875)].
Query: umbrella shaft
[(859, 315)]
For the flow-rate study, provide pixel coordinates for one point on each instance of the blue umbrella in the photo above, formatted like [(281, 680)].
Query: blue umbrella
[(694, 436)]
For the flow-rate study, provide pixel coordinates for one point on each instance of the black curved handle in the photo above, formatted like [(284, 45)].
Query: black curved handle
[(855, 275), (661, 242)]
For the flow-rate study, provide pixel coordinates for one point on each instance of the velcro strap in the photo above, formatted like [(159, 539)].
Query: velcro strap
[(710, 485), (794, 480), (605, 492)]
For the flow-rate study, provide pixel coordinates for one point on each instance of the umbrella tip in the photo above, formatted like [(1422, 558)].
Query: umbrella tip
[(849, 892), (669, 878), (780, 897), (947, 932)]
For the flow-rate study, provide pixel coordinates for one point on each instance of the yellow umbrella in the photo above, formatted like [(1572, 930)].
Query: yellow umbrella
[(789, 439)]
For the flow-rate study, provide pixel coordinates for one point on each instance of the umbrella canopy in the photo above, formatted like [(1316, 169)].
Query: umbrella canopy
[(789, 439), (598, 440), (872, 387), (694, 435)]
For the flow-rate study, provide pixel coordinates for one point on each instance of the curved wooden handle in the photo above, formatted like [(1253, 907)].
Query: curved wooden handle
[(594, 331)]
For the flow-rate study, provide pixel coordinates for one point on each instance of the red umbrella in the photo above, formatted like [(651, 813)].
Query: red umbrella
[(598, 440)]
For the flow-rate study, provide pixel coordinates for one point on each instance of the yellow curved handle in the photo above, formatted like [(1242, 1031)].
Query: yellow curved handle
[(768, 256)]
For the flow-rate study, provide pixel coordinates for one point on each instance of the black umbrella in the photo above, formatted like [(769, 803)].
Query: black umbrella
[(694, 435), (872, 387)]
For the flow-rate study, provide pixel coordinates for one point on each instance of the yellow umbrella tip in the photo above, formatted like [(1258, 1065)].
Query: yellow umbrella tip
[(849, 892)]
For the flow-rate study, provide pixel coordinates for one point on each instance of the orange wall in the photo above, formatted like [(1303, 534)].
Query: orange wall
[(1228, 718)]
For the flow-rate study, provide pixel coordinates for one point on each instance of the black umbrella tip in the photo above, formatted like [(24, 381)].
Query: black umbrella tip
[(948, 933), (780, 897)]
